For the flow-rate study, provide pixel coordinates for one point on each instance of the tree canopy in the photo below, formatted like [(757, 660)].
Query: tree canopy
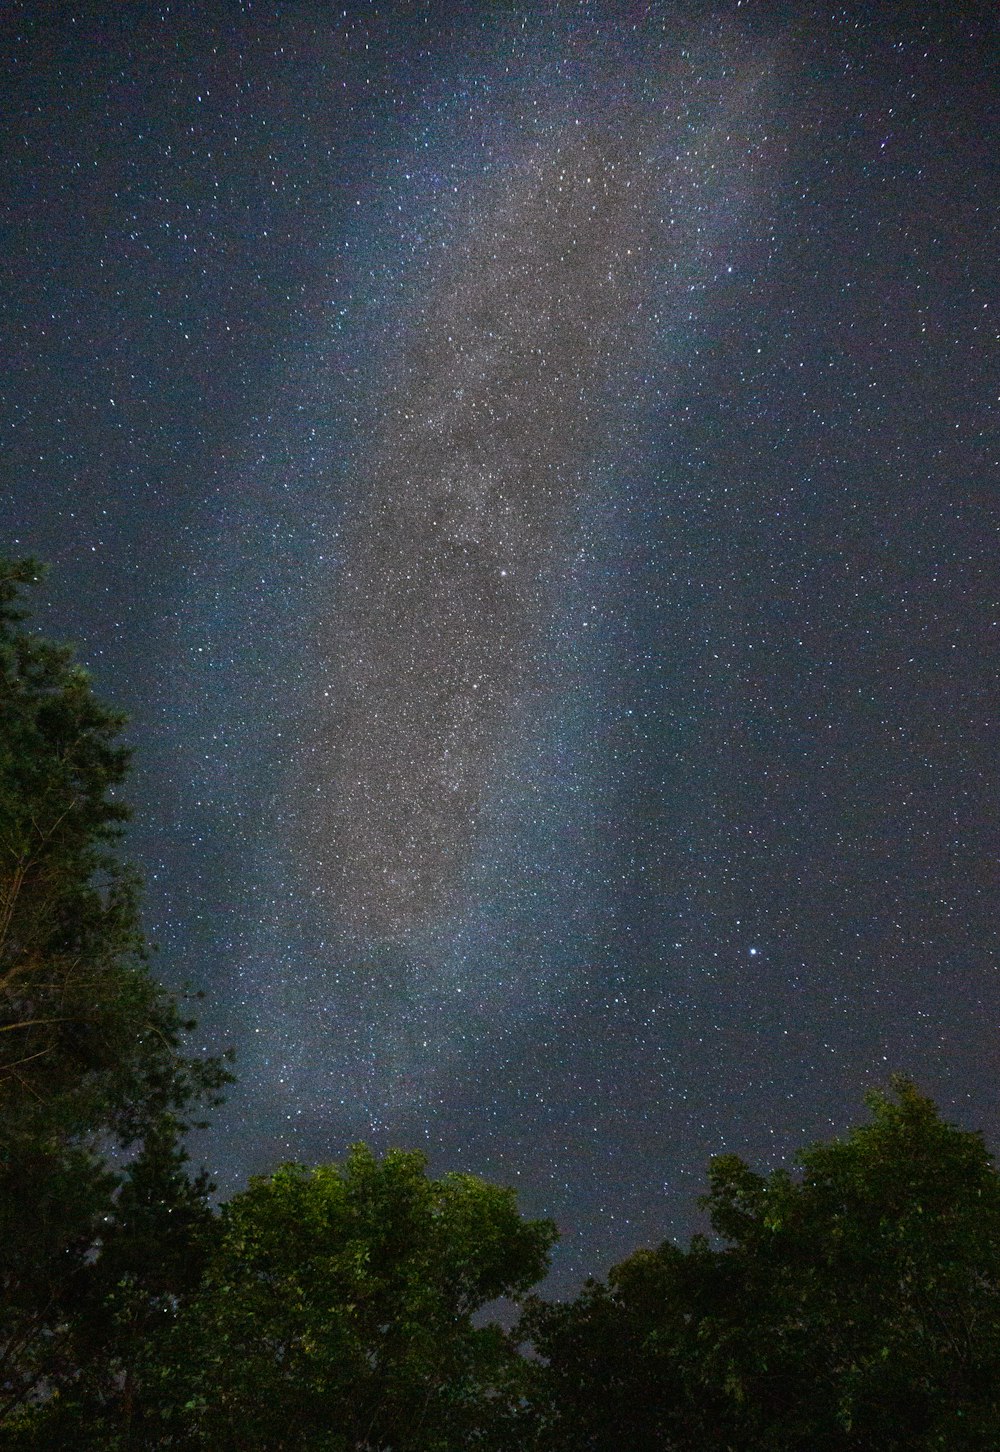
[(853, 1304), (89, 1041), (337, 1310), (91, 1056)]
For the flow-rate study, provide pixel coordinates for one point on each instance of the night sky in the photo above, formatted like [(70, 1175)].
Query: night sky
[(530, 474)]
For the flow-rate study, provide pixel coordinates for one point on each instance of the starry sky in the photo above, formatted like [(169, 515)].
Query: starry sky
[(530, 474)]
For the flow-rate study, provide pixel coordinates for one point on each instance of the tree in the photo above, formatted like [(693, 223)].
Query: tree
[(90, 1044), (620, 1365), (336, 1312), (118, 1311), (88, 1040), (853, 1305)]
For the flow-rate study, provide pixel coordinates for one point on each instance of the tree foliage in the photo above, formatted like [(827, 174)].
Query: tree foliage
[(853, 1305), (90, 1045), (88, 1040), (337, 1310)]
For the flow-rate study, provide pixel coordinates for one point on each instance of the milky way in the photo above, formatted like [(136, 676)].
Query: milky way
[(517, 370)]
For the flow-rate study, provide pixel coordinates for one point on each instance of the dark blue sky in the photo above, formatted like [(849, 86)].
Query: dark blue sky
[(631, 365)]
